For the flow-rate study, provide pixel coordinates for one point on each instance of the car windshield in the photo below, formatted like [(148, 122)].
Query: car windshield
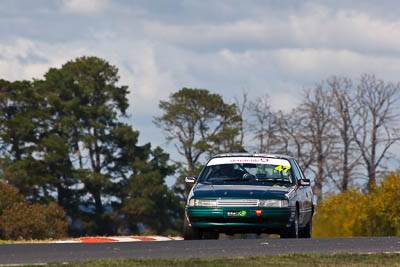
[(247, 170)]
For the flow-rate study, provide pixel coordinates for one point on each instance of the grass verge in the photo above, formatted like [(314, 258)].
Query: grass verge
[(390, 259)]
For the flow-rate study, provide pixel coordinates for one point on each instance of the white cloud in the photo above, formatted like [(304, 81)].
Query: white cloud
[(147, 82), (27, 59), (307, 64), (138, 68), (85, 7), (21, 48), (320, 28), (13, 56), (345, 29), (243, 31)]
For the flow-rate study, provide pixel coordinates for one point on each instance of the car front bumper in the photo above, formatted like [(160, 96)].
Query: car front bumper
[(221, 219)]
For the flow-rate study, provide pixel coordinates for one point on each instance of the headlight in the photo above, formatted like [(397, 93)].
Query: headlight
[(202, 202), (274, 203)]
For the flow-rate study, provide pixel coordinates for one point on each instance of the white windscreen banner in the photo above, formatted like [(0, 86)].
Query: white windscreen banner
[(254, 160)]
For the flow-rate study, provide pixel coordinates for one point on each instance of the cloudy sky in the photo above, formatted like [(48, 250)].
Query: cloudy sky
[(275, 47)]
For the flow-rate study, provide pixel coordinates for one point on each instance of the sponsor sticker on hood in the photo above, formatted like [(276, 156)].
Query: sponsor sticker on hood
[(254, 160)]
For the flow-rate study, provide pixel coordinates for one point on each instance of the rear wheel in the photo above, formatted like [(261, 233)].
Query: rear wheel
[(306, 232), (190, 232)]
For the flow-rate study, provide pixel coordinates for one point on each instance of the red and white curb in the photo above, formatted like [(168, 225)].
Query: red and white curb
[(119, 239)]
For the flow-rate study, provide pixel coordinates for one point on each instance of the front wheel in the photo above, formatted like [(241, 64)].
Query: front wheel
[(189, 232), (293, 231)]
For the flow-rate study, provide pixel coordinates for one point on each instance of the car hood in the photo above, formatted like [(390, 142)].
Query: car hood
[(238, 191)]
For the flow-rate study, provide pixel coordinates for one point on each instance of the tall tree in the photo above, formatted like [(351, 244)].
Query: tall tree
[(84, 102), (147, 196), (101, 100), (198, 122), (291, 134), (344, 160), (21, 128), (263, 124), (141, 187), (195, 119), (317, 113), (104, 152), (376, 128)]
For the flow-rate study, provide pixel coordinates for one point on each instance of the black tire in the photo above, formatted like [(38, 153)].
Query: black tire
[(189, 232), (293, 231), (306, 232)]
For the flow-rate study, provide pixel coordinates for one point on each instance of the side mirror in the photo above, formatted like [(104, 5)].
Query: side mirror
[(305, 182), (190, 179)]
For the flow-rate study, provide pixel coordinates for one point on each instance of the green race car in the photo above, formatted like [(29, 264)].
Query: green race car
[(249, 193)]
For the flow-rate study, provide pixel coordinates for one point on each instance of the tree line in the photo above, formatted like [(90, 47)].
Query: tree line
[(64, 145)]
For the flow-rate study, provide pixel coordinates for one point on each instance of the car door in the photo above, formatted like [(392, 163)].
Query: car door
[(303, 196), (307, 196)]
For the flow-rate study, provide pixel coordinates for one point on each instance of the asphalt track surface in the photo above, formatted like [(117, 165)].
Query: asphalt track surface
[(67, 253)]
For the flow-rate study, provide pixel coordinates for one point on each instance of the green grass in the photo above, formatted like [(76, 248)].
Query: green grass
[(285, 260)]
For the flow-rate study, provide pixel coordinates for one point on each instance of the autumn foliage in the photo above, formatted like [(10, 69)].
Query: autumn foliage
[(20, 219), (353, 213)]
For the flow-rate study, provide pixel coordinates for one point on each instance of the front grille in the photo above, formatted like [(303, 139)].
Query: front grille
[(230, 220), (238, 220), (237, 202)]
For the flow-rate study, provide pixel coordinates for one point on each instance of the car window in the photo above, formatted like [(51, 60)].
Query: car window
[(296, 170), (247, 170), (300, 170)]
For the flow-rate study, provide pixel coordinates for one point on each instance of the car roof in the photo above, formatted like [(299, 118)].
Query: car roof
[(264, 155)]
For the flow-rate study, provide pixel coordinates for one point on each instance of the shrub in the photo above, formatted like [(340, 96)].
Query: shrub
[(9, 195), (20, 219), (340, 215), (384, 208), (353, 213)]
